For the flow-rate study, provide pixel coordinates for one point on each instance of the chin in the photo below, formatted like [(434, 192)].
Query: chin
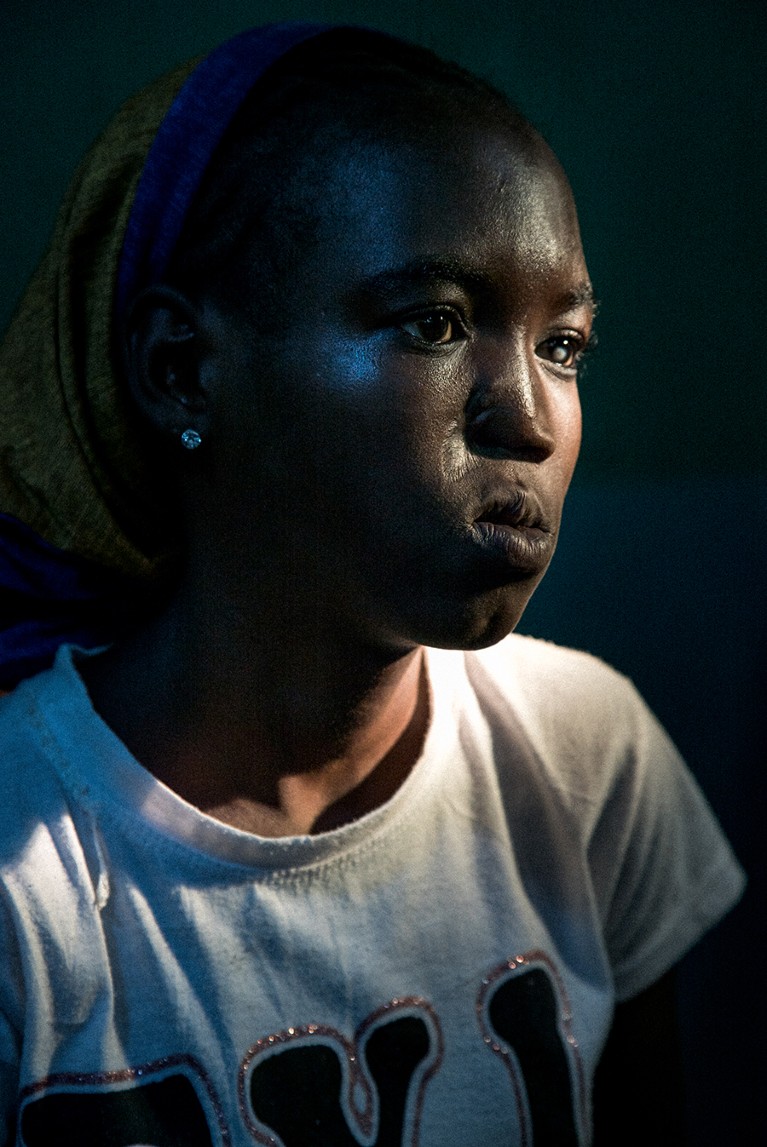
[(482, 622), (476, 636)]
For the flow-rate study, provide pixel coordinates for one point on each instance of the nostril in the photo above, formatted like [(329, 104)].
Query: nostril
[(487, 419), (491, 428), (503, 429)]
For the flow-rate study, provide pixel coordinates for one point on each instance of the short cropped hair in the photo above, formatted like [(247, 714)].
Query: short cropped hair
[(345, 84)]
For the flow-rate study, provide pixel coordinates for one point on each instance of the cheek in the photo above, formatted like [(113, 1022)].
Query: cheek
[(569, 430), (576, 429), (384, 418)]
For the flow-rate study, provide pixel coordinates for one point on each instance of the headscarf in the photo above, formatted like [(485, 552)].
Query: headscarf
[(84, 529)]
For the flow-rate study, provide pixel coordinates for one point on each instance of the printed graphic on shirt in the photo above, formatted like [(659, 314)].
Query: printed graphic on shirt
[(315, 1085), (311, 1085), (170, 1103), (525, 1017)]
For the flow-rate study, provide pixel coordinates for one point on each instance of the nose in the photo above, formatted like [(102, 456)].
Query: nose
[(508, 413)]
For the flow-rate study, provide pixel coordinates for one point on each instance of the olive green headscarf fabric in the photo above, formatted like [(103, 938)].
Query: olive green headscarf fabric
[(87, 532), (71, 466)]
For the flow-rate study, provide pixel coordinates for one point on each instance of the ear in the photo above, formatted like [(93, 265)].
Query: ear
[(164, 348)]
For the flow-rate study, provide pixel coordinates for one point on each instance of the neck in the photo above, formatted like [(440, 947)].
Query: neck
[(275, 732)]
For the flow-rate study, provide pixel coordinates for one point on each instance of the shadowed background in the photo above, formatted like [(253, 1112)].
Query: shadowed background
[(657, 113)]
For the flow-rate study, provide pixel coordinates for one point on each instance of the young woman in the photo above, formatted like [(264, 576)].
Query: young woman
[(307, 849)]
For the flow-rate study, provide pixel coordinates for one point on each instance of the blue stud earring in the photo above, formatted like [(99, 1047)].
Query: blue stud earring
[(191, 439)]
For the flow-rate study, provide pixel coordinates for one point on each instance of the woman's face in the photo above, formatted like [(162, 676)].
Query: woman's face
[(400, 452)]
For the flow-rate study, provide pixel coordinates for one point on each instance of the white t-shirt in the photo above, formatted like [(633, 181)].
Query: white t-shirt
[(440, 972)]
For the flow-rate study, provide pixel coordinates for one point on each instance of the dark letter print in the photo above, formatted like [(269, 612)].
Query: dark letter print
[(120, 1109), (311, 1087), (525, 1018)]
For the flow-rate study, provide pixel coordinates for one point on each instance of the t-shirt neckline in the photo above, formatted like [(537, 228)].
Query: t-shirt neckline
[(94, 762)]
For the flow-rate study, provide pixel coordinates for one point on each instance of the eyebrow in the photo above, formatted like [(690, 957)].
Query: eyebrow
[(427, 271), (452, 271), (582, 296)]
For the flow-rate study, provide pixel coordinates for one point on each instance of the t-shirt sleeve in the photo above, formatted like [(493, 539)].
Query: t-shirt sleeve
[(663, 870)]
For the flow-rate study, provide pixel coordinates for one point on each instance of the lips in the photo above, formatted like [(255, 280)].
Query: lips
[(515, 529), (516, 512)]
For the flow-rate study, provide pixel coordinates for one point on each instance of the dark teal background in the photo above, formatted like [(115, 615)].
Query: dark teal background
[(657, 112)]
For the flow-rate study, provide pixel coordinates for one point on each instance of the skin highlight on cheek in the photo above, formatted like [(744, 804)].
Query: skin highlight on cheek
[(456, 459)]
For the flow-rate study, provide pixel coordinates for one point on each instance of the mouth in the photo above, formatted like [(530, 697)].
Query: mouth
[(520, 512), (516, 530)]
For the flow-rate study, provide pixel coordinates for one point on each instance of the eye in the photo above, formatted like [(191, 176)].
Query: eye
[(438, 328), (565, 350)]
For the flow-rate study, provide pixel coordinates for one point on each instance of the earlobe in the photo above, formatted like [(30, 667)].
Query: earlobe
[(164, 349)]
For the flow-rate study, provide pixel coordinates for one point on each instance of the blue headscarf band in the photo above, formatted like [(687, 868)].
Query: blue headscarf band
[(186, 141), (48, 597)]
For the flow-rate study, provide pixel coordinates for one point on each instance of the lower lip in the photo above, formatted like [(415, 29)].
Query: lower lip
[(526, 549)]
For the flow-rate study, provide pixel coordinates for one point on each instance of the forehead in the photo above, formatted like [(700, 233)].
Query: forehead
[(457, 193)]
